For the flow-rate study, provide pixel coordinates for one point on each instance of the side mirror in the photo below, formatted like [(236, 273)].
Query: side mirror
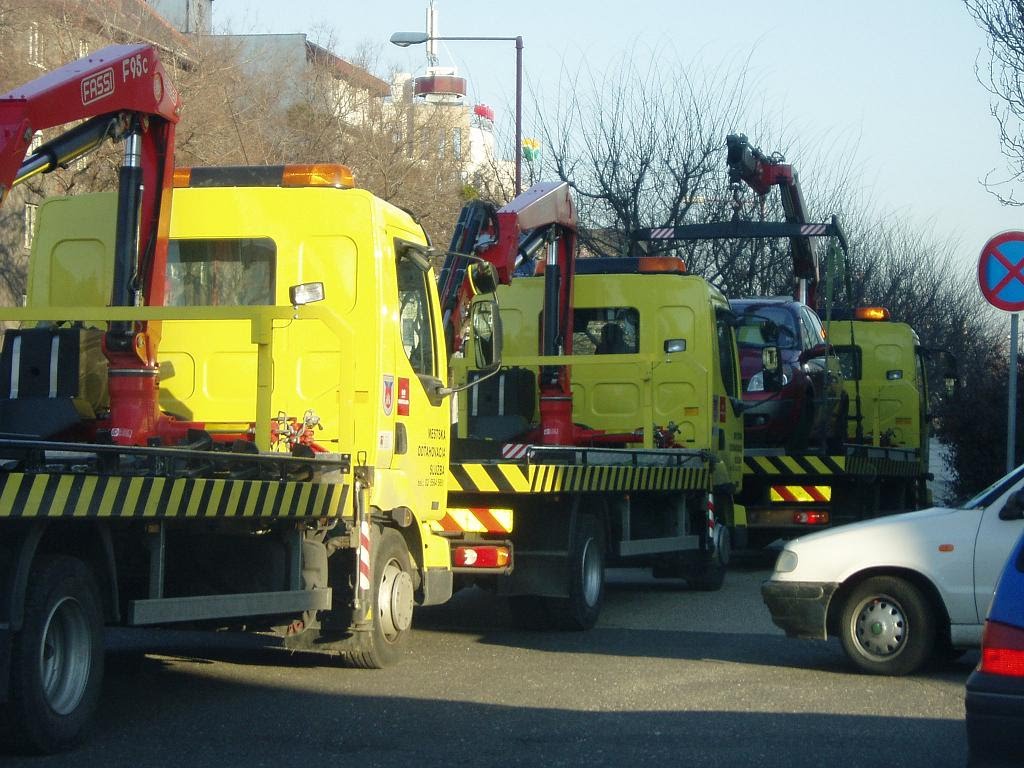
[(419, 255), (487, 334), (1014, 507), (772, 365), (818, 350), (483, 277), (305, 293)]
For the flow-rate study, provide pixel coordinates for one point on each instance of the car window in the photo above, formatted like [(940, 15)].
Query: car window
[(810, 329), (761, 325), (994, 491)]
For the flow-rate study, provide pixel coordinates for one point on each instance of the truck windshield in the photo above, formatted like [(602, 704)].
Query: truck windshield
[(212, 273)]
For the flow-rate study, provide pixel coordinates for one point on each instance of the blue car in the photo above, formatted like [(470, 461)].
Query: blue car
[(995, 690)]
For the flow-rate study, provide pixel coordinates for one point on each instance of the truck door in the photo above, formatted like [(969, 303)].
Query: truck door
[(730, 423), (422, 415)]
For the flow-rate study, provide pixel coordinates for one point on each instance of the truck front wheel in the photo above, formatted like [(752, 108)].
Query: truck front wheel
[(57, 657), (392, 595)]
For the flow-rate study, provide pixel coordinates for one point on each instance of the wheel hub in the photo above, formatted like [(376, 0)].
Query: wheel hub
[(592, 575), (65, 656), (881, 627), (396, 600)]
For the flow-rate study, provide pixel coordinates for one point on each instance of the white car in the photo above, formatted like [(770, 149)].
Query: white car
[(900, 589)]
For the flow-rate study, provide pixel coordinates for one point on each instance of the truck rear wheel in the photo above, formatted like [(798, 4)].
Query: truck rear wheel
[(709, 575), (391, 597), (582, 607), (585, 586), (56, 658)]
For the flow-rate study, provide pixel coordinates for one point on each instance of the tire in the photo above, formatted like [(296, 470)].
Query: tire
[(887, 626), (710, 576), (580, 610), (56, 658), (392, 600)]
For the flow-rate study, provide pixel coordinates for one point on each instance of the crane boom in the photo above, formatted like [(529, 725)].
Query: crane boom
[(538, 225), (760, 172), (123, 93)]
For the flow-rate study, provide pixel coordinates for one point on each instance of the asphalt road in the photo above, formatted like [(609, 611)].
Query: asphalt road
[(669, 677)]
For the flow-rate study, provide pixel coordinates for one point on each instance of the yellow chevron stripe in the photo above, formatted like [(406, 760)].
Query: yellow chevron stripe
[(35, 495), (88, 493), (152, 509), (63, 491), (818, 465), (792, 465), (800, 493), (10, 494), (109, 490), (480, 478), (515, 478)]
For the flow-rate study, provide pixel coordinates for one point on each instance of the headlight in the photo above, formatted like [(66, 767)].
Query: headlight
[(756, 383), (786, 562)]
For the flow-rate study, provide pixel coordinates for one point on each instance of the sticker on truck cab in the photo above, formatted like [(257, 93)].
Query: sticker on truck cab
[(388, 395), (403, 397)]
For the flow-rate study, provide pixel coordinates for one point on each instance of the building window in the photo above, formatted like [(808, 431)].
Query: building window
[(30, 224), (83, 49), (35, 51), (457, 143), (36, 143)]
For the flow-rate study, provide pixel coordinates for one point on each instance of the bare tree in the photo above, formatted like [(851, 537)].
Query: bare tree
[(640, 144), (1003, 22)]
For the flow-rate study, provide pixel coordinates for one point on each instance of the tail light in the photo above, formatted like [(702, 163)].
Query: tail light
[(1002, 650), (487, 556), (810, 518)]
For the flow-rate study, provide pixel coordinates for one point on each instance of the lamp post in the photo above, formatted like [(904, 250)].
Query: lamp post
[(405, 39)]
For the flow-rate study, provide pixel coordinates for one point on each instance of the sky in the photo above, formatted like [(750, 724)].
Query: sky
[(889, 84)]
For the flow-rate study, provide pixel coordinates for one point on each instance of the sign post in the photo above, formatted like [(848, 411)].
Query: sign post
[(1001, 278)]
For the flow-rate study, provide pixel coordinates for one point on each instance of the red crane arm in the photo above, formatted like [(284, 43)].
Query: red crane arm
[(760, 172), (122, 92)]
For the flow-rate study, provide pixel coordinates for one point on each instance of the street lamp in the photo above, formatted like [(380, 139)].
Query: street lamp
[(405, 39)]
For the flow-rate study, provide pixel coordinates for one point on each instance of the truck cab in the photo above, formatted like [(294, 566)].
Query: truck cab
[(359, 373), (654, 360), (883, 368)]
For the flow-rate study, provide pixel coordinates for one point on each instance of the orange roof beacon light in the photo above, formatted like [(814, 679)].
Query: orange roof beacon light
[(871, 313)]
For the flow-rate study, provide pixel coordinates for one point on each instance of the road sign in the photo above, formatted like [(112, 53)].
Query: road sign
[(1001, 271)]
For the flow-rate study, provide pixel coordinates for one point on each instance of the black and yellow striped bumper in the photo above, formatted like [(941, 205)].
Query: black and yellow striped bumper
[(548, 478), (868, 463), (92, 496)]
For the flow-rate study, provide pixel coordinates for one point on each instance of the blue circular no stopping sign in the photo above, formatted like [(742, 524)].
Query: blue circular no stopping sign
[(1001, 271)]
